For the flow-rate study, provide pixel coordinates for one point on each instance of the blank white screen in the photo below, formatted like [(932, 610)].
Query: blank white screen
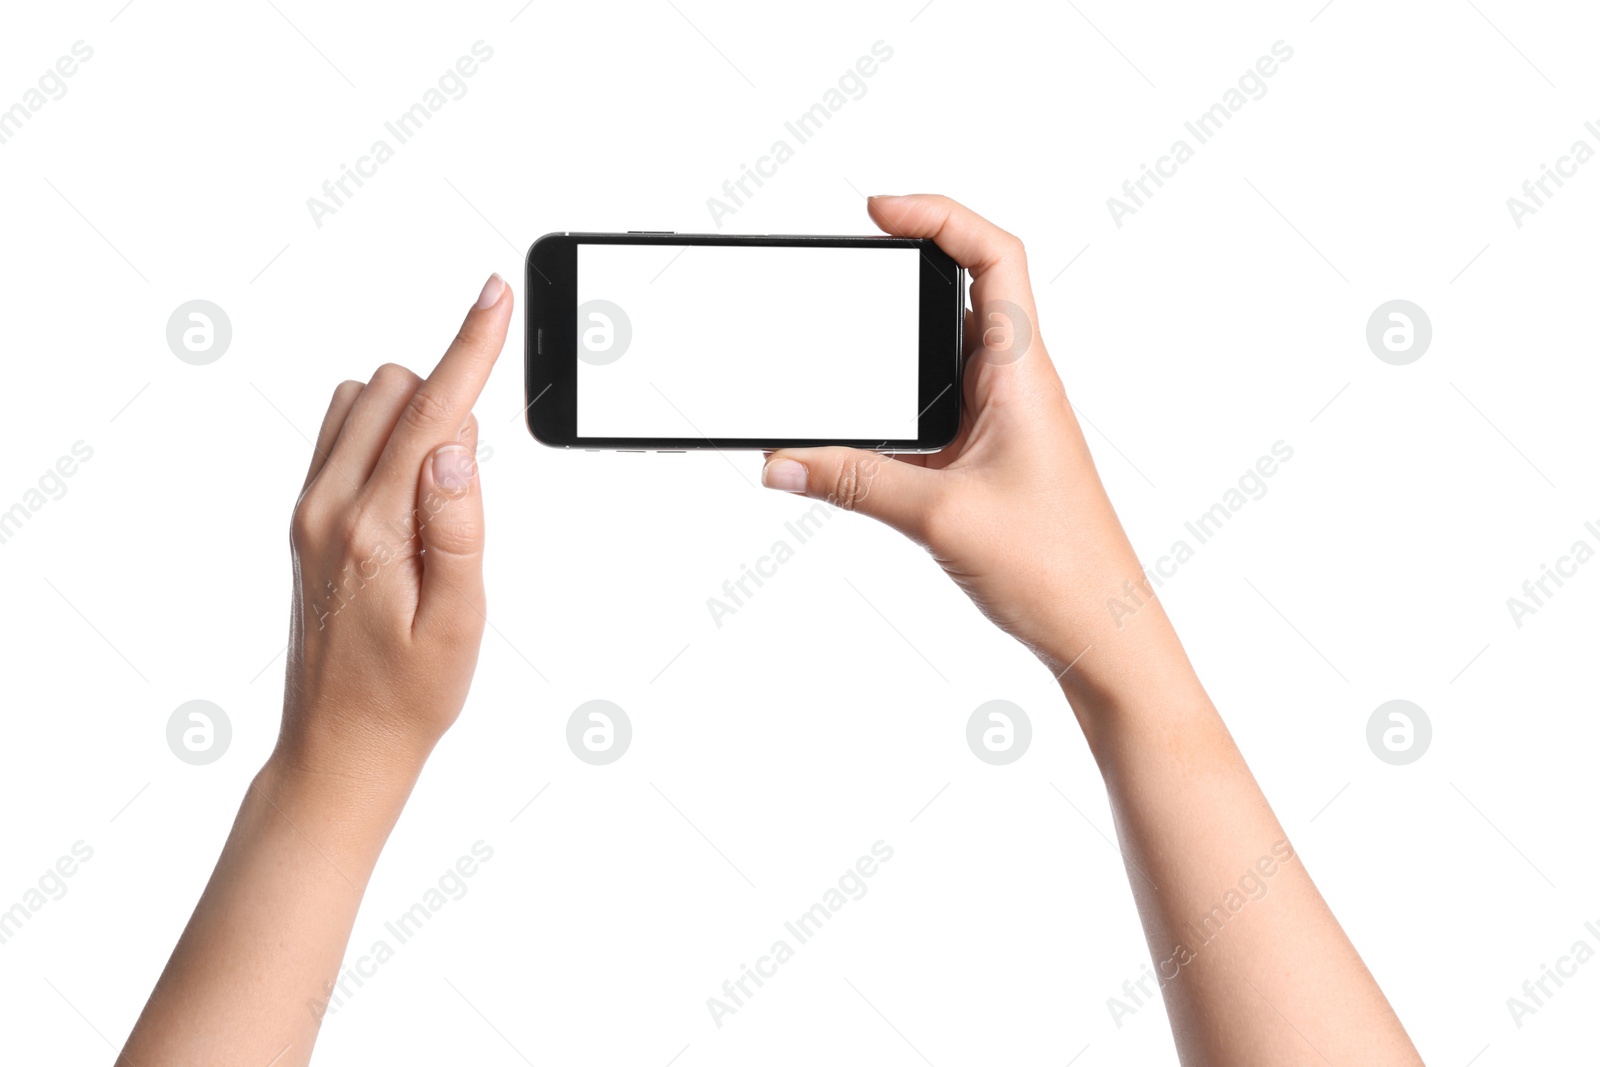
[(754, 342)]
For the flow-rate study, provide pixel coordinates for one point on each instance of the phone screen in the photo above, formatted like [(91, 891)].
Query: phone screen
[(727, 341)]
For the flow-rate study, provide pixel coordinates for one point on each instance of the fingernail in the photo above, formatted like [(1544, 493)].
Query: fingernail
[(491, 292), (785, 475), (886, 196), (453, 468)]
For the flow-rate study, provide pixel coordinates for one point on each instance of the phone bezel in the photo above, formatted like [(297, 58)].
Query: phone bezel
[(550, 325)]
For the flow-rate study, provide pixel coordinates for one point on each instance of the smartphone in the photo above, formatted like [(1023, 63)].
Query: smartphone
[(648, 341)]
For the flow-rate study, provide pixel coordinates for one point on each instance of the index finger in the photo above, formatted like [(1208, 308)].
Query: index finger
[(994, 257), (443, 403), (1003, 326)]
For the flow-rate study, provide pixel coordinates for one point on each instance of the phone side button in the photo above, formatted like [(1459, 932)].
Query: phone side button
[(670, 451)]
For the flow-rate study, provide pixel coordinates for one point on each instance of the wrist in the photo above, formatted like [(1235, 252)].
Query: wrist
[(338, 824), (363, 797), (1111, 668), (333, 745)]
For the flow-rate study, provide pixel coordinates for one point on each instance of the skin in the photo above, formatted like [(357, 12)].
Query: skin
[(1013, 511), (379, 668)]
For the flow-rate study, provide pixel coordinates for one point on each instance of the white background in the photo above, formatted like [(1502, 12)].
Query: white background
[(826, 714), (753, 342)]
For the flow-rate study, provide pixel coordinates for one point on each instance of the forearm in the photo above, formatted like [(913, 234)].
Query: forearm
[(388, 614), (1253, 966), (245, 981)]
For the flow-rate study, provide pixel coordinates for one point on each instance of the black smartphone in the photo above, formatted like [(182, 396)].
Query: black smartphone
[(666, 342)]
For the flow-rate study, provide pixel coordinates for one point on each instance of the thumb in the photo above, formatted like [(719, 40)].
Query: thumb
[(854, 479), (450, 521)]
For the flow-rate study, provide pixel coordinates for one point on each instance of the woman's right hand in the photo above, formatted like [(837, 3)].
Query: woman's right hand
[(388, 562), (1013, 509)]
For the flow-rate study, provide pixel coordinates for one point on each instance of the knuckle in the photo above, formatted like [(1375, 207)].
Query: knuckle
[(473, 334), (426, 412), (352, 533), (456, 535), (366, 538), (852, 481), (306, 521), (393, 374), (941, 519)]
